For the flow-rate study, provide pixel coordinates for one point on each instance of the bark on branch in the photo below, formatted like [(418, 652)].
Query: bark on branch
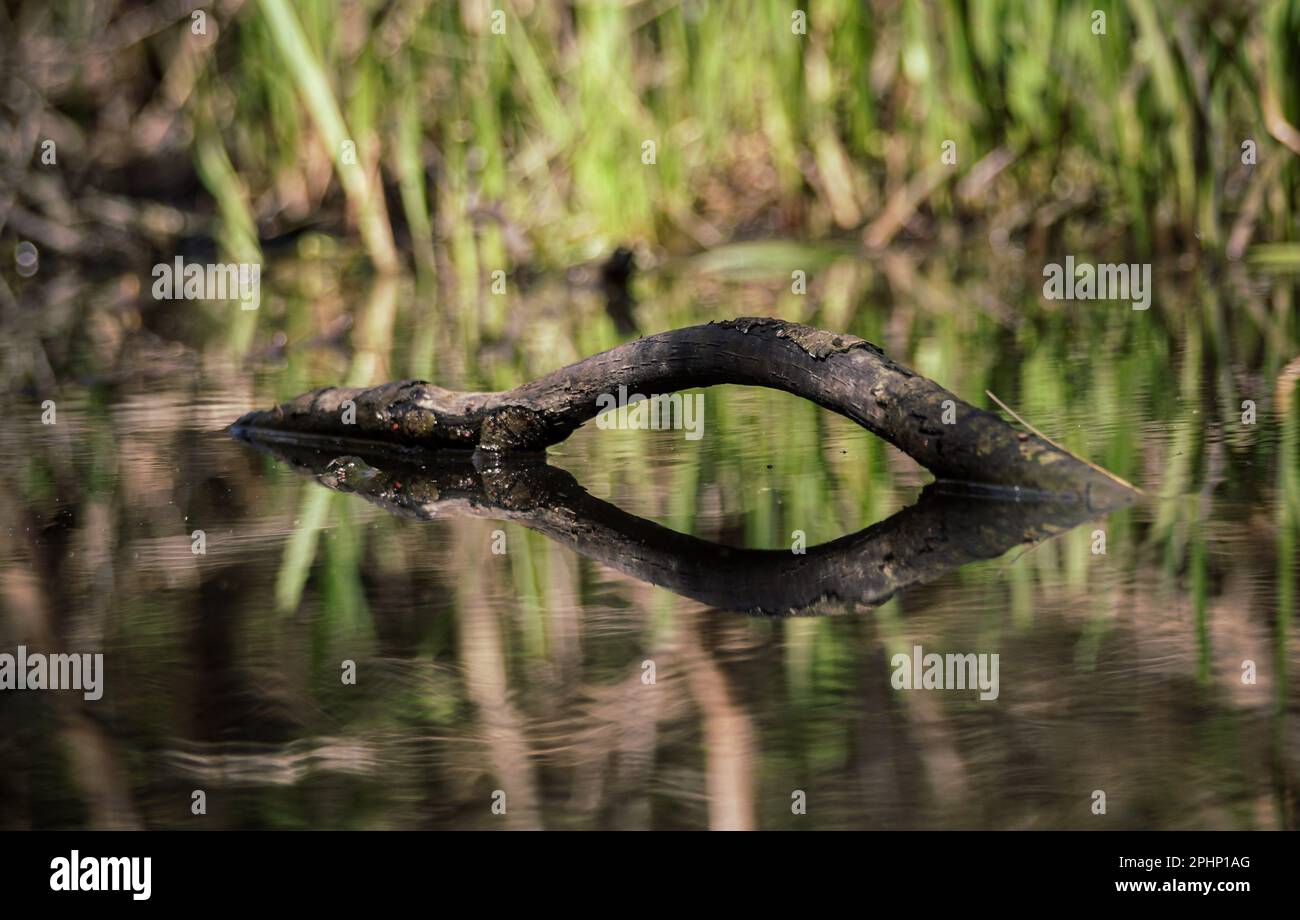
[(954, 441)]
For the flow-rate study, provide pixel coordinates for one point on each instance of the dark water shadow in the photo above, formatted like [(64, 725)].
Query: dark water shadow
[(948, 527)]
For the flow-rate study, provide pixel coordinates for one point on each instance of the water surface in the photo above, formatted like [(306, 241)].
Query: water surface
[(583, 697)]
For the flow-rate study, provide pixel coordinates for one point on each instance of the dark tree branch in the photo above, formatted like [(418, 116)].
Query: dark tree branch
[(842, 373)]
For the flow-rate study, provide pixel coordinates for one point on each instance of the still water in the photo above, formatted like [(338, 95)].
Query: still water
[(362, 644)]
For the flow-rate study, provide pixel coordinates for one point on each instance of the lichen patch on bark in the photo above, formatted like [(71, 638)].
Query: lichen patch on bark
[(514, 428), (816, 342)]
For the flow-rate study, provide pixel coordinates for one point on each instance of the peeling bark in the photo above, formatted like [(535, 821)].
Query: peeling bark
[(842, 373)]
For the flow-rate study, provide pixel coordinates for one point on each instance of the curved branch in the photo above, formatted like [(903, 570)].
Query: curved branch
[(843, 373)]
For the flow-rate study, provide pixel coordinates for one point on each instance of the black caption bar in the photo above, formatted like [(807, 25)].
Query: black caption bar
[(330, 870)]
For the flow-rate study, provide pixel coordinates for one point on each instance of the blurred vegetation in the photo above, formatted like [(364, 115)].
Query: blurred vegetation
[(466, 137)]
